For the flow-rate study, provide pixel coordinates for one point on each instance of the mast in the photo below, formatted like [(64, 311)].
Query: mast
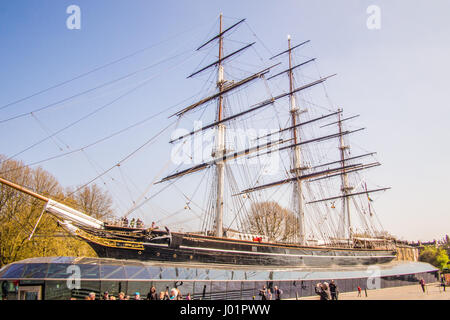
[(57, 209), (345, 188), (22, 189), (219, 151), (220, 142), (296, 155)]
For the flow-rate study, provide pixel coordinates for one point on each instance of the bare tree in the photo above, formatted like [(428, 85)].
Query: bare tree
[(94, 201), (273, 221)]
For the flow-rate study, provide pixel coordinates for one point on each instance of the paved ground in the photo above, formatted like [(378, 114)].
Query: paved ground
[(414, 292)]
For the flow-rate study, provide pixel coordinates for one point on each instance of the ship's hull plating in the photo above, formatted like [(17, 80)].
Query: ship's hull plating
[(199, 250)]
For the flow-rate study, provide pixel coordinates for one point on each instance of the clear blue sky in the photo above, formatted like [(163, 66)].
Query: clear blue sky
[(395, 77)]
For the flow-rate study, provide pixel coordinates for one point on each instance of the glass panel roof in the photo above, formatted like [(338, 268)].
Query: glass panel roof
[(35, 270), (155, 272), (89, 271), (58, 270), (13, 271), (186, 273), (136, 272), (168, 273), (98, 268), (112, 272)]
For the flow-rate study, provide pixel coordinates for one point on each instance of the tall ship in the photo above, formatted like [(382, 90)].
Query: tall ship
[(327, 217)]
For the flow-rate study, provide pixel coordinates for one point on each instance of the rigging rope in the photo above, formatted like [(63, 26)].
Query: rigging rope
[(92, 89), (49, 133), (140, 122), (124, 159), (168, 39), (89, 114)]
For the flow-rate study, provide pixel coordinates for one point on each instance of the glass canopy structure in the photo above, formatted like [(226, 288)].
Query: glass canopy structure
[(72, 277)]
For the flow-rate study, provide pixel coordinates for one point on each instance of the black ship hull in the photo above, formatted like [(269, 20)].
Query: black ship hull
[(211, 256), (210, 250)]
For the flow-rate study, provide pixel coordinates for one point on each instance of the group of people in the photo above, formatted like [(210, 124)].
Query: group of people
[(134, 223), (327, 291), (443, 283), (107, 296), (330, 291), (173, 294), (269, 293)]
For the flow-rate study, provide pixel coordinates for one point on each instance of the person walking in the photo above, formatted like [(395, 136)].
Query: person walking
[(326, 288), (263, 293), (278, 292), (333, 290), (359, 291), (269, 293), (5, 290), (422, 284), (319, 289)]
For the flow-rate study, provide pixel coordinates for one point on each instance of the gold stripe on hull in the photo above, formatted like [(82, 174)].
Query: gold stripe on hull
[(109, 242)]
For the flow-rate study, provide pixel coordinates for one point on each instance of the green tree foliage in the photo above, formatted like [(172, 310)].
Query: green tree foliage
[(442, 258), (20, 212), (446, 244), (438, 257)]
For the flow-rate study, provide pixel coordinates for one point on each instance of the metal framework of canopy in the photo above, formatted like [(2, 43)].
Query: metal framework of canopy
[(54, 268)]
